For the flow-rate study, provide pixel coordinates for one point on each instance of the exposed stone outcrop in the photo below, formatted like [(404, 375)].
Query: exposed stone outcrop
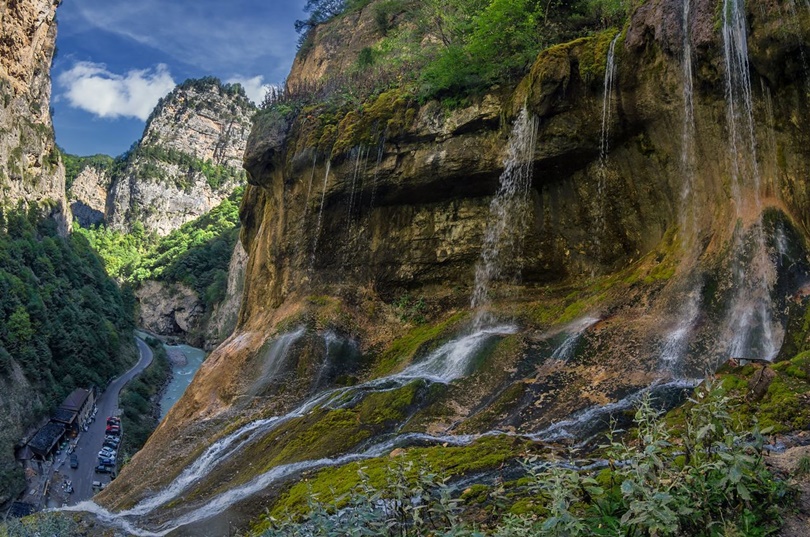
[(171, 310), (188, 160), (30, 166), (88, 195), (226, 313)]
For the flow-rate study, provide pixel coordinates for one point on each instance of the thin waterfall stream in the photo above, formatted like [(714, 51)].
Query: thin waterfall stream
[(509, 212), (754, 331)]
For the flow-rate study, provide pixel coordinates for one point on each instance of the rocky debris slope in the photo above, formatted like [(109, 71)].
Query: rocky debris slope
[(188, 161), (30, 167)]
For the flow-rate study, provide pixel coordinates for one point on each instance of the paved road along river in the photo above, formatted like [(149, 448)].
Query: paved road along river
[(90, 441)]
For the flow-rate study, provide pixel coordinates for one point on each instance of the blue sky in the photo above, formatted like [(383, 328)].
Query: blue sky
[(117, 58)]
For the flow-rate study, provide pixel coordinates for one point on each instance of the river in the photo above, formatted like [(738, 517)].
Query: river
[(181, 375)]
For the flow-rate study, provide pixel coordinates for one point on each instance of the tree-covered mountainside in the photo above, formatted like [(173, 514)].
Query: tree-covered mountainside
[(63, 324), (62, 316), (196, 254)]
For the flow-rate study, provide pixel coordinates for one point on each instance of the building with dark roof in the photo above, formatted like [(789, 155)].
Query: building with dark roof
[(46, 439), (81, 403)]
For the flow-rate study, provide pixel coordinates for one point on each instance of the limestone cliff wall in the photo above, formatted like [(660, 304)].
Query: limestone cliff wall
[(188, 160), (30, 167), (351, 214)]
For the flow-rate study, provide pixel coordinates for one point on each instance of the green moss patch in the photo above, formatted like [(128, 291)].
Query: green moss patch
[(404, 349), (450, 461)]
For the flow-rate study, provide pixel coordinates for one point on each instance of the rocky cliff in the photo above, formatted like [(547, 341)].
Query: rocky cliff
[(655, 214), (30, 168), (188, 160), (174, 310), (88, 195)]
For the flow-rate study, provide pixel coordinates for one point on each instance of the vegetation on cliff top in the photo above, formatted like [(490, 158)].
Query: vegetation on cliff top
[(449, 49)]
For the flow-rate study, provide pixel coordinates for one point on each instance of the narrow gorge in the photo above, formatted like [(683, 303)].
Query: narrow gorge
[(464, 284)]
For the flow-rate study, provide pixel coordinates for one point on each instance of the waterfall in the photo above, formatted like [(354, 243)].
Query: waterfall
[(509, 212), (753, 331), (676, 340), (604, 144), (274, 359), (574, 332), (380, 154), (739, 102), (587, 422), (687, 140), (607, 100), (320, 217), (309, 188), (357, 152)]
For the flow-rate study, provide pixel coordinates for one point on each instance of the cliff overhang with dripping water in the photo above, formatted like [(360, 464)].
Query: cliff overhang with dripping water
[(365, 227)]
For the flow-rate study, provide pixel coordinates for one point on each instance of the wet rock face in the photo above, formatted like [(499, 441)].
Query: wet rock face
[(189, 160), (30, 167), (344, 215)]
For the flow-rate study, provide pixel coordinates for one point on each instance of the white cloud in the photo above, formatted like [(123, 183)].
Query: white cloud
[(254, 87), (91, 87)]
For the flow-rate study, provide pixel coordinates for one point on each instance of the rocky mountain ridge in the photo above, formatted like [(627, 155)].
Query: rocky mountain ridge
[(188, 160)]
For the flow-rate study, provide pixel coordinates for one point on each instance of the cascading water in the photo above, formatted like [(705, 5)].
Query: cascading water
[(380, 154), (574, 332), (274, 359), (309, 187), (320, 217), (687, 224), (604, 144), (676, 340), (449, 362), (754, 332), (509, 212)]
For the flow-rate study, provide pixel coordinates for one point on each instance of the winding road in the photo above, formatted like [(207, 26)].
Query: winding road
[(90, 441)]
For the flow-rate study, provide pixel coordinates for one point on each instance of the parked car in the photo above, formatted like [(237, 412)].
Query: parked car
[(110, 445), (74, 461), (101, 469), (106, 461), (111, 438)]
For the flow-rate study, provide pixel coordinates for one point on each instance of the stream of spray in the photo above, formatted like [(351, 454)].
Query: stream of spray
[(565, 351), (380, 154), (604, 144), (509, 214), (754, 333), (675, 342), (309, 187), (320, 217)]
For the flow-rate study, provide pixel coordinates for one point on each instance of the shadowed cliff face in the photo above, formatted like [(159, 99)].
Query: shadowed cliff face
[(654, 234)]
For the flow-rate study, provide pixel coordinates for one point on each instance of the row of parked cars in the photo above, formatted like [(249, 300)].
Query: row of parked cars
[(109, 450)]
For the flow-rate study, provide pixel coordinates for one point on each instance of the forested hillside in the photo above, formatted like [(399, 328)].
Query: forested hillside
[(63, 323)]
